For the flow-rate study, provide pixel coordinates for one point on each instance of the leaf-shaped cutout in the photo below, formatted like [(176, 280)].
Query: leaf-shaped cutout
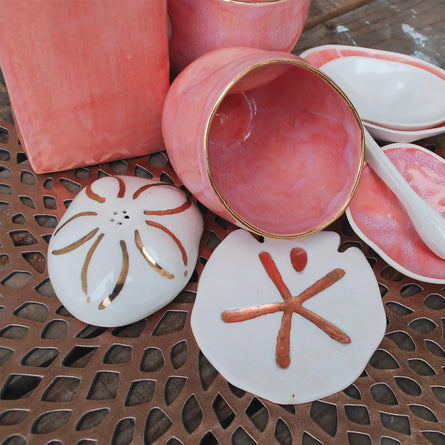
[(173, 387), (16, 279), (48, 184), (140, 392), (242, 437), (258, 414), (45, 288), (157, 159), (289, 408), (142, 172), (13, 417), (166, 178), (5, 261), (36, 259), (396, 422), (157, 424), (5, 189), (5, 172), (382, 393), (389, 441), (179, 353), (213, 241), (40, 357), (408, 386), (207, 373), (62, 389), (435, 302), (4, 208), (27, 177), (435, 348), (14, 332), (22, 238), (91, 331), (5, 354), (223, 411), (235, 390), (308, 439), (171, 321), (398, 308), (423, 412), (27, 201), (32, 311), (152, 360), (358, 414), (439, 392), (408, 290), (282, 432), (353, 392), (55, 330), (389, 273), (434, 437), (49, 202), (19, 386), (185, 296), (18, 218), (79, 356), (423, 325), (81, 172), (119, 167), (382, 359), (92, 419), (208, 439), (133, 330), (70, 186), (105, 386), (402, 340), (4, 154), (325, 416), (124, 432), (359, 439), (191, 414), (421, 367), (49, 221), (22, 158), (118, 354), (51, 421)]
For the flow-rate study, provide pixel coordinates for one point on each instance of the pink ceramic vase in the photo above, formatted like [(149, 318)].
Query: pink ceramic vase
[(264, 140), (86, 79), (199, 26)]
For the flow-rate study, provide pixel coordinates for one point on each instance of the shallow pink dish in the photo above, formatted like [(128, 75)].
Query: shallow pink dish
[(377, 216), (321, 55)]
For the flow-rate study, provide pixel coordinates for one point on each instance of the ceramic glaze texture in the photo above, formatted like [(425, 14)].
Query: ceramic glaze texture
[(281, 313), (125, 247), (325, 55), (199, 26), (377, 216), (101, 87), (264, 140)]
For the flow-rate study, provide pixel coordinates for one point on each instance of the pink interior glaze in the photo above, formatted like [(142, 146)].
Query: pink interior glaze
[(380, 217), (285, 154)]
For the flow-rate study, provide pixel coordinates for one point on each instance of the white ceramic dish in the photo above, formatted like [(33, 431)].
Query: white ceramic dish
[(378, 218), (319, 345), (125, 247), (322, 55)]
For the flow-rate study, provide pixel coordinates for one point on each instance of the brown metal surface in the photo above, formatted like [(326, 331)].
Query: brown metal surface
[(65, 382)]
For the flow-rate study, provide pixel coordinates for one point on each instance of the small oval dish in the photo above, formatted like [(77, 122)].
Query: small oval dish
[(289, 321), (125, 247), (378, 218), (326, 55)]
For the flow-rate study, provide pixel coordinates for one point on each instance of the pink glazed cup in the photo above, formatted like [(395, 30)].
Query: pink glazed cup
[(264, 140), (199, 26)]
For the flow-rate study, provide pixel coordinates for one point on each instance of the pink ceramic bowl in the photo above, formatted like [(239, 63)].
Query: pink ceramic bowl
[(264, 140), (199, 26)]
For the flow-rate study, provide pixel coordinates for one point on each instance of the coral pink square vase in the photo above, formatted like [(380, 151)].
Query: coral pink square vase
[(199, 26), (86, 79), (265, 140)]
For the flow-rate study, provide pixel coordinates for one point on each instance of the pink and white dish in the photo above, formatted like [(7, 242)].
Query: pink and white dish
[(125, 247), (289, 320), (399, 92), (377, 216)]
